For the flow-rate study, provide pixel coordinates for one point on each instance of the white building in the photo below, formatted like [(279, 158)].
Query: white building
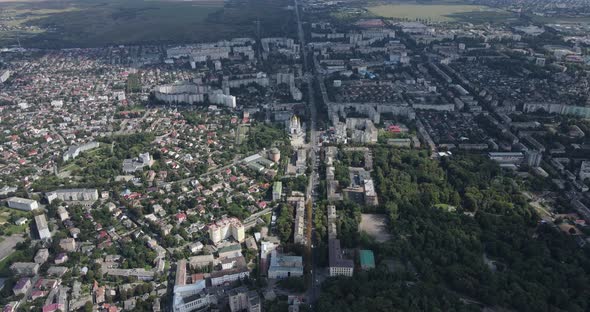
[(74, 150), (42, 227), (22, 203), (135, 164), (226, 228), (4, 75), (73, 195)]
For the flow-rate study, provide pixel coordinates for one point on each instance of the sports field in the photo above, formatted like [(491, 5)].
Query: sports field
[(431, 12)]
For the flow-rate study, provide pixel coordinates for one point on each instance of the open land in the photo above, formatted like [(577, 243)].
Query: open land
[(375, 225), (7, 245), (433, 12)]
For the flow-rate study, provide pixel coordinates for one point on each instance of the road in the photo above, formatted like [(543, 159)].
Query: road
[(313, 291), (8, 243)]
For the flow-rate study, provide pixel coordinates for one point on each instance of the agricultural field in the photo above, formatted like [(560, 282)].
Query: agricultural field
[(431, 12), (78, 23)]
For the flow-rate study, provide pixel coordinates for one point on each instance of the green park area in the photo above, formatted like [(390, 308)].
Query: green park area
[(445, 218), (78, 23)]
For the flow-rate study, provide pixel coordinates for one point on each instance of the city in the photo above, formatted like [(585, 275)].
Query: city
[(313, 156)]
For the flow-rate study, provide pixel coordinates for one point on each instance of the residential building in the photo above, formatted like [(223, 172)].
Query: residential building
[(41, 256), (299, 224), (22, 203), (22, 286), (42, 227), (62, 213), (507, 157), (141, 274), (226, 228), (25, 268), (370, 194), (4, 75), (68, 244), (73, 195)]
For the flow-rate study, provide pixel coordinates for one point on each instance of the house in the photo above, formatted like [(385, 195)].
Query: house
[(61, 258), (22, 286), (41, 256), (68, 244), (25, 268), (62, 213), (196, 247), (180, 217)]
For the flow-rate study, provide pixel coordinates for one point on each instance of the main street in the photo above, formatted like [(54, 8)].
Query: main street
[(313, 291)]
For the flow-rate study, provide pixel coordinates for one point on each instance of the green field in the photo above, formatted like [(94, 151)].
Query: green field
[(82, 23), (430, 12)]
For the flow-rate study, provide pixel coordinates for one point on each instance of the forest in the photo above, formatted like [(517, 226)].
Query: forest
[(490, 251)]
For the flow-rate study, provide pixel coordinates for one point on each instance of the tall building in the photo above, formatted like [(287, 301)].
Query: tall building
[(42, 227), (339, 266), (226, 228)]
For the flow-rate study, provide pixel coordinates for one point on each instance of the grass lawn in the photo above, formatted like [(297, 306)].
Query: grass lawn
[(8, 227), (433, 12)]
